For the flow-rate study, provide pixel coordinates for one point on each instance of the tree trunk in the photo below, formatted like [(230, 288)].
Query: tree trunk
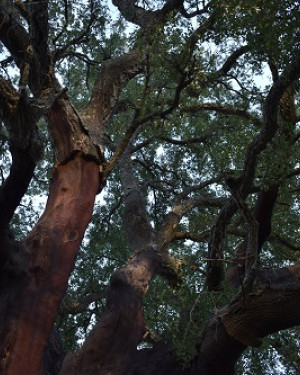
[(51, 249)]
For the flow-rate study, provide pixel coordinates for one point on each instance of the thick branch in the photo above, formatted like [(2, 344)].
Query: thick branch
[(270, 120), (251, 243), (15, 186), (229, 111), (69, 133), (81, 304), (242, 323), (40, 76), (259, 143), (29, 50), (139, 230), (25, 147), (116, 72), (196, 237), (113, 76), (51, 248), (275, 238), (231, 60), (145, 18), (215, 270), (187, 142), (13, 35), (248, 318), (262, 214)]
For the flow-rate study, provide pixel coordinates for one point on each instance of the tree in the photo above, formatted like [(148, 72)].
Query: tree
[(195, 248)]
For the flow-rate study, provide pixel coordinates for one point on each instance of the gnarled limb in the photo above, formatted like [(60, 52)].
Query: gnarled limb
[(243, 322), (13, 35), (110, 346), (215, 269), (25, 146), (226, 110), (146, 18)]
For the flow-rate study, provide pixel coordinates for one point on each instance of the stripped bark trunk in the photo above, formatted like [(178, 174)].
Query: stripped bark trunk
[(113, 341), (51, 249)]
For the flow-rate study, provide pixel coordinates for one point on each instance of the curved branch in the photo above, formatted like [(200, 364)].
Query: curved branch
[(196, 12), (276, 238), (270, 120), (80, 305), (201, 237), (259, 143), (187, 142), (13, 35), (248, 317), (200, 186), (137, 122), (61, 52), (25, 147), (215, 270), (229, 111), (145, 18), (231, 60), (114, 74), (139, 230), (16, 184), (243, 322), (262, 215)]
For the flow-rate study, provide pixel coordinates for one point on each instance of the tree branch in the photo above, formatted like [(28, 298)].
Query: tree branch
[(137, 122), (81, 304), (61, 52), (215, 270), (259, 143), (196, 12), (276, 238), (270, 120), (13, 35), (25, 147), (138, 228), (145, 18), (276, 291), (262, 215), (201, 237), (229, 111), (113, 76)]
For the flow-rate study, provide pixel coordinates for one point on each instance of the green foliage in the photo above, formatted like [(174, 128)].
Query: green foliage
[(277, 356)]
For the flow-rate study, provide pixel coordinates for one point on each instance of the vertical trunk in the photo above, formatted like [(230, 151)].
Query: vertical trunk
[(113, 341), (217, 356), (51, 249)]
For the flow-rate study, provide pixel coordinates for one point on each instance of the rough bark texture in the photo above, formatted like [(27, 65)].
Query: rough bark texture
[(105, 351), (51, 249)]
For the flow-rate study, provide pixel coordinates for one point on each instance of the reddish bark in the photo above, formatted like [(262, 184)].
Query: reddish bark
[(112, 343), (52, 247)]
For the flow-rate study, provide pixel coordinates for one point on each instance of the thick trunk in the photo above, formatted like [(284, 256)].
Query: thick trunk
[(112, 343), (272, 305), (217, 357), (51, 249)]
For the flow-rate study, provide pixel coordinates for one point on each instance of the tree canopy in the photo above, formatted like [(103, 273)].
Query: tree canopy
[(149, 199)]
